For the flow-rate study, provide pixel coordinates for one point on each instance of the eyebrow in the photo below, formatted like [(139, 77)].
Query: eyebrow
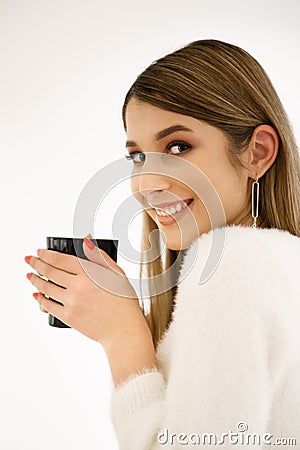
[(163, 133)]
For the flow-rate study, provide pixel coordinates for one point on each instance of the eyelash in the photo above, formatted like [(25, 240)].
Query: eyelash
[(131, 156)]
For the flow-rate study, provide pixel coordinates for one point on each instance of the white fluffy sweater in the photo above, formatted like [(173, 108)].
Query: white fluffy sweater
[(230, 360)]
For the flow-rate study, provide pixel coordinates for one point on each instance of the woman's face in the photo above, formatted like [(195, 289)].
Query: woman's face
[(204, 147)]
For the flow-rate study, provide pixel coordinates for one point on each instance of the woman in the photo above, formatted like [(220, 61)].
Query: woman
[(220, 357)]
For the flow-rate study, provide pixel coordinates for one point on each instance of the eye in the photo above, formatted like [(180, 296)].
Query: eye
[(139, 157), (136, 157), (181, 147)]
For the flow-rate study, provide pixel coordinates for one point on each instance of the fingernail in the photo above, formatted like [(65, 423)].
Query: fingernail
[(35, 294), (29, 275), (89, 243), (27, 259)]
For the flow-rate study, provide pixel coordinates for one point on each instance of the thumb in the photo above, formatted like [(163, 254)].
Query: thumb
[(99, 256)]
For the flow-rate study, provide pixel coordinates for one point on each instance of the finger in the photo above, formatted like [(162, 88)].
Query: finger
[(48, 288), (62, 261), (44, 269), (43, 309), (49, 306), (100, 257)]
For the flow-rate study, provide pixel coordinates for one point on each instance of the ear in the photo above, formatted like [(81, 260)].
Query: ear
[(263, 149)]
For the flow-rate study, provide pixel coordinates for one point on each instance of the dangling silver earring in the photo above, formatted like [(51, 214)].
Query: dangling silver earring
[(255, 184)]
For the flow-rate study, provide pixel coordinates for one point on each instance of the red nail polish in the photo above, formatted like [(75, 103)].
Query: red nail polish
[(27, 259), (28, 275), (89, 243), (35, 294)]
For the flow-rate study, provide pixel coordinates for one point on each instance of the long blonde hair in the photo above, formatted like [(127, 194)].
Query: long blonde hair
[(224, 86)]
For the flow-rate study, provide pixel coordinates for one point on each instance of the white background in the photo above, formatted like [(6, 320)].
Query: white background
[(65, 67)]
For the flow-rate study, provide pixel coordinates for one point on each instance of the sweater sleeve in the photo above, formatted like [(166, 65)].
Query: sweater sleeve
[(229, 349), (137, 409)]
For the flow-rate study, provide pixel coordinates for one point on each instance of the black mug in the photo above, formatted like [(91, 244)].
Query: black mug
[(73, 246)]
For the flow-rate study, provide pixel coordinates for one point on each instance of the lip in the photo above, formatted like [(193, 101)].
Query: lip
[(174, 218), (164, 205)]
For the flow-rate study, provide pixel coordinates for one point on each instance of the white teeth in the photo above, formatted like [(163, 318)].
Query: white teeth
[(173, 210)]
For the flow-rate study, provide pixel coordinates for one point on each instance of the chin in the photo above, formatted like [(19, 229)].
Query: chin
[(177, 245), (173, 247), (179, 240)]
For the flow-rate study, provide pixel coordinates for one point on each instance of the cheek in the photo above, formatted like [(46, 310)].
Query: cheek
[(134, 185), (221, 177), (230, 191)]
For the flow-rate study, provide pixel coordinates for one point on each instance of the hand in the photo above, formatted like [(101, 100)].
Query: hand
[(94, 297)]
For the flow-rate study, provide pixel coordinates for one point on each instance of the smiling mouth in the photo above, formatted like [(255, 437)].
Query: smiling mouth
[(173, 208), (169, 219)]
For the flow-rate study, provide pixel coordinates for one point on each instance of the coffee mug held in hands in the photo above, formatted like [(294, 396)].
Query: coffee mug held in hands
[(73, 246)]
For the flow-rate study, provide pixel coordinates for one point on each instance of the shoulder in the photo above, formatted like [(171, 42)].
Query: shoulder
[(252, 291), (251, 264), (238, 248), (260, 240), (243, 321), (246, 241)]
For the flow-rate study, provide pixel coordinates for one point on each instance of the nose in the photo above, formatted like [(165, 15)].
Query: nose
[(150, 183), (149, 179)]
